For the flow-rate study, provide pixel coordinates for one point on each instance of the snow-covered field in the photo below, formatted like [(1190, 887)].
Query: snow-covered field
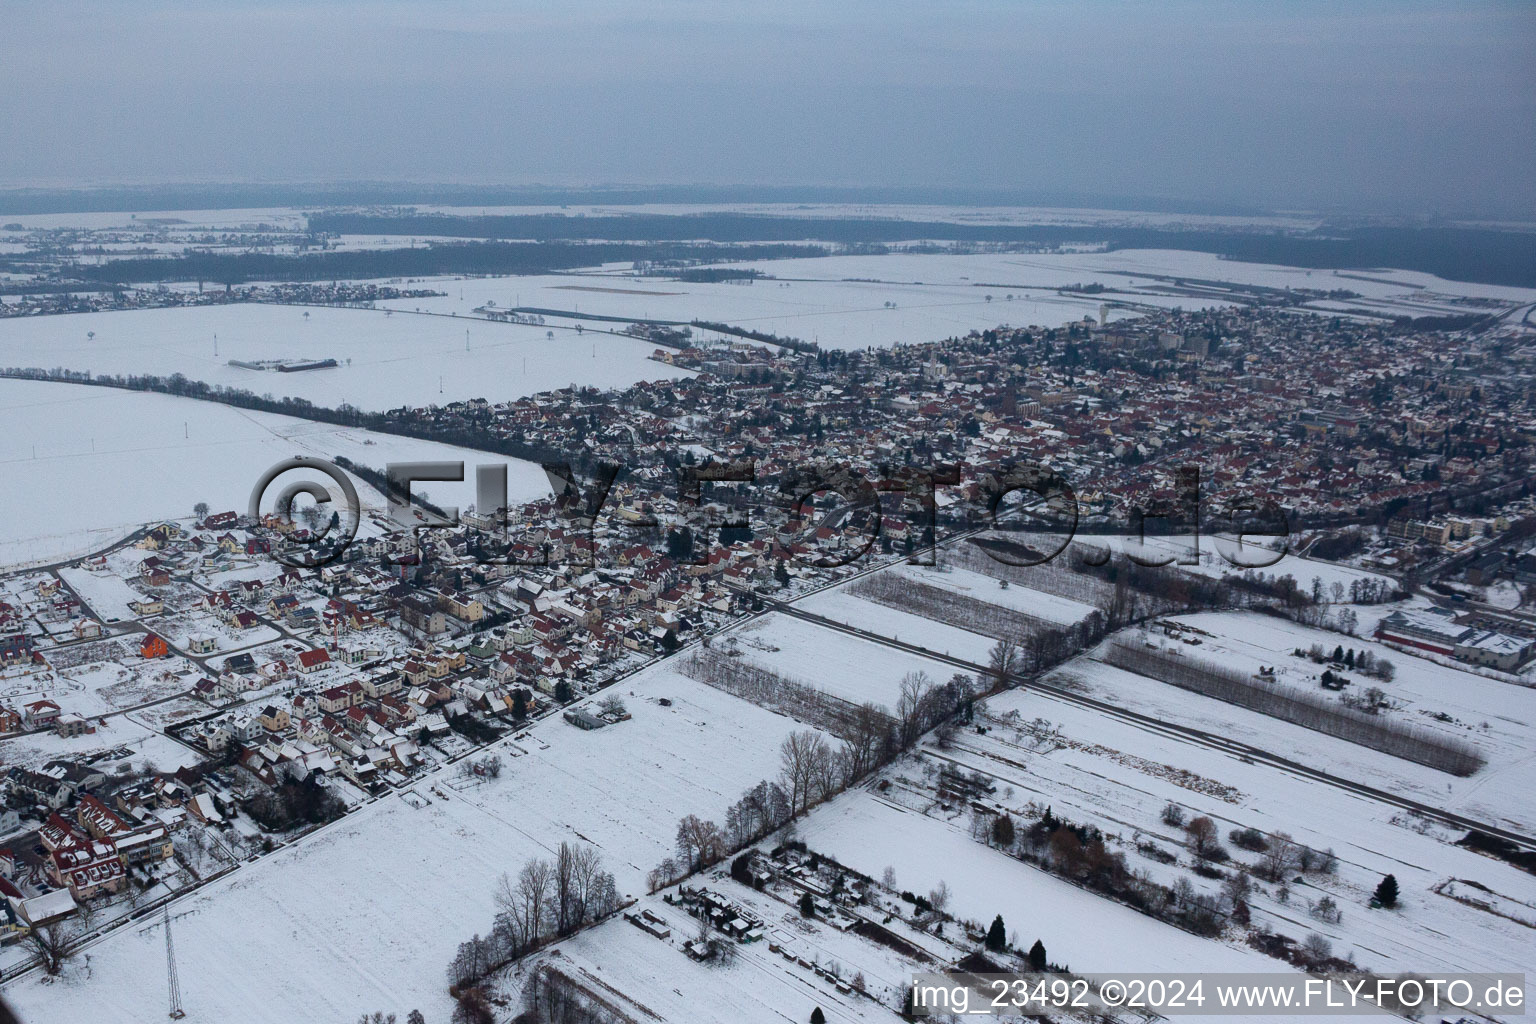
[(387, 359), (982, 587), (1498, 717), (1495, 794), (869, 833), (1118, 777), (831, 312), (840, 606), (87, 465), (845, 666), (367, 914), (1134, 269)]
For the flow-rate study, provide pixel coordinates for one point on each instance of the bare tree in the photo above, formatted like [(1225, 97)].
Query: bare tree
[(909, 705), (1236, 887), (938, 898), (1202, 837), (826, 767), (586, 875), (700, 842), (565, 888), (865, 739), (1066, 851), (1003, 662), (473, 1008), (801, 757), (54, 944), (526, 903), (1280, 858)]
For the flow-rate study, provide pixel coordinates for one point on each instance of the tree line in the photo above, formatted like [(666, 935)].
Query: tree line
[(813, 770), (546, 900), (433, 260), (1410, 742)]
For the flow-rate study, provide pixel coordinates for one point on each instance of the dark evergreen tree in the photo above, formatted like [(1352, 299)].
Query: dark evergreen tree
[(1037, 959), (1386, 892), (807, 905), (680, 544), (997, 935)]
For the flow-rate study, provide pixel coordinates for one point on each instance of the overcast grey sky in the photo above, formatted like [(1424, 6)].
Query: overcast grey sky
[(1376, 106)]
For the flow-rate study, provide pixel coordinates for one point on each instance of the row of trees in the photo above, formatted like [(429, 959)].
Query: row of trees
[(1411, 742), (767, 688), (547, 899), (1361, 661), (1039, 642), (1079, 854), (812, 770), (900, 591), (550, 996)]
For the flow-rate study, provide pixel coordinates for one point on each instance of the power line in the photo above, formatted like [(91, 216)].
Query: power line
[(170, 966)]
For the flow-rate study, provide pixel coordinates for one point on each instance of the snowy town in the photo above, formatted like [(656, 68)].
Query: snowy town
[(185, 702), (767, 514)]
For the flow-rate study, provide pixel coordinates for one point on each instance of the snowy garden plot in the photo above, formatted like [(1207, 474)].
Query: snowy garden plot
[(962, 608), (839, 605), (845, 666), (1500, 717), (100, 677), (162, 716), (127, 683), (108, 461), (655, 975), (1089, 933), (1118, 777), (114, 733), (621, 788), (180, 628), (1494, 794)]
